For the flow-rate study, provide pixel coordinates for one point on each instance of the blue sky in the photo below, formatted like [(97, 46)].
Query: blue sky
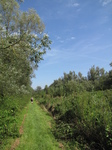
[(81, 35)]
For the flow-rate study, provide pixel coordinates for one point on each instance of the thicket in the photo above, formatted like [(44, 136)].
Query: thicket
[(82, 108)]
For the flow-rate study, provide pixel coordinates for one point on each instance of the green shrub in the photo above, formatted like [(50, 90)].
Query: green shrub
[(87, 118)]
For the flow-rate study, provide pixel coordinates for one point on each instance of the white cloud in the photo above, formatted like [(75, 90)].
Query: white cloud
[(71, 3), (73, 38), (61, 41), (75, 5), (105, 2), (58, 37)]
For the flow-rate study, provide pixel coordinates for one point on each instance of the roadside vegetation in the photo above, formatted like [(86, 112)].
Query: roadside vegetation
[(82, 108)]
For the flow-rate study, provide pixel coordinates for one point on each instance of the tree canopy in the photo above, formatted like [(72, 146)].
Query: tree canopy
[(22, 46)]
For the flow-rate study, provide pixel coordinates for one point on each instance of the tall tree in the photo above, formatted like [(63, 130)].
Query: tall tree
[(38, 89), (92, 74), (22, 45)]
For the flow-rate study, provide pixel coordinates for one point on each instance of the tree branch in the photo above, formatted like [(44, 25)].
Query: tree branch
[(14, 43)]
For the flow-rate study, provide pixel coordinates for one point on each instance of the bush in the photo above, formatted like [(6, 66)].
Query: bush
[(87, 118)]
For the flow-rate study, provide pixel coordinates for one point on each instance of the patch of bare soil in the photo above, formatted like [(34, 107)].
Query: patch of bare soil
[(17, 141), (15, 144), (21, 127), (61, 146)]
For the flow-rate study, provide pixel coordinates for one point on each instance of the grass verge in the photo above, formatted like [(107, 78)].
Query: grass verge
[(37, 133)]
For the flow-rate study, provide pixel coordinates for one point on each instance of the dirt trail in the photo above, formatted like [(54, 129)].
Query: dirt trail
[(17, 141)]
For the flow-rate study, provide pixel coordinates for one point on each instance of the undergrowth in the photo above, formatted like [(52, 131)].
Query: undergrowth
[(10, 108), (83, 119)]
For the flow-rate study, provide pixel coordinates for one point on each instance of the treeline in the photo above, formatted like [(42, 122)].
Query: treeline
[(97, 79), (82, 108)]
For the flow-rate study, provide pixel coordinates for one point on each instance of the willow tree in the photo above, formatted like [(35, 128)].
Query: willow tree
[(22, 45)]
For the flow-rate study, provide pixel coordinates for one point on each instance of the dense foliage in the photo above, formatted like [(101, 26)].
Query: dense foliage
[(97, 79), (22, 45), (82, 108)]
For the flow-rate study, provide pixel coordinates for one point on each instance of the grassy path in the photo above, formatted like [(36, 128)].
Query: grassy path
[(37, 134)]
